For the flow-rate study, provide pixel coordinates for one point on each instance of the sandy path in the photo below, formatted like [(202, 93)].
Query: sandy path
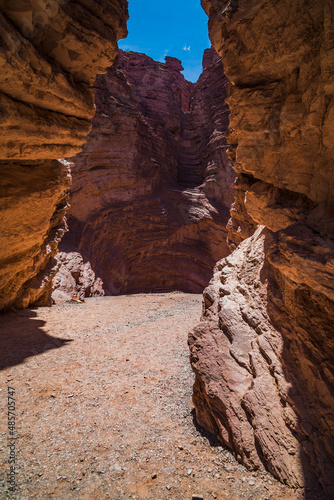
[(103, 404)]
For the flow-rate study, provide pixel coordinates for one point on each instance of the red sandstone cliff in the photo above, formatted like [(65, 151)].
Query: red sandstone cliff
[(152, 189), (263, 353), (50, 55)]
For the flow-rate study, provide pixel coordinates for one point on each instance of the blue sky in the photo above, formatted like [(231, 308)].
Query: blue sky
[(169, 27)]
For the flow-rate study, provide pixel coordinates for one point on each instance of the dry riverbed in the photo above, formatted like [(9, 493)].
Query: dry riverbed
[(103, 409)]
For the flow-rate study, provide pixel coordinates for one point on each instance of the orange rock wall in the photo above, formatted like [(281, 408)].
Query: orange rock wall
[(50, 55), (263, 354)]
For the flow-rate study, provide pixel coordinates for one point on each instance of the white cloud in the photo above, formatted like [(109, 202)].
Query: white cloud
[(162, 58), (186, 49)]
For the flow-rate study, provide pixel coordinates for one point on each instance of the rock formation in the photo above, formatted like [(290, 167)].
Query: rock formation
[(263, 353), (152, 189), (75, 277), (50, 55)]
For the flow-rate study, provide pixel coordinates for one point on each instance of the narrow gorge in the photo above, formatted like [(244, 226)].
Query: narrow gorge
[(120, 177)]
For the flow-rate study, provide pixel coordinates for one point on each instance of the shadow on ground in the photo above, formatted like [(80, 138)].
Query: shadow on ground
[(203, 432), (22, 336)]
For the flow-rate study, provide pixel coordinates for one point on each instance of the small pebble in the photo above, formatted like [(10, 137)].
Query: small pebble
[(189, 471), (154, 476), (168, 487), (251, 483), (116, 468), (197, 497)]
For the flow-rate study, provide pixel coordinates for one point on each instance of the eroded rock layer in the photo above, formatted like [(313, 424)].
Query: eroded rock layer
[(152, 189), (264, 351), (50, 55)]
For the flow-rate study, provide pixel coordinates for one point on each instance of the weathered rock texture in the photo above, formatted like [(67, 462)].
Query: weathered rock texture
[(75, 277), (264, 352), (152, 189), (50, 55)]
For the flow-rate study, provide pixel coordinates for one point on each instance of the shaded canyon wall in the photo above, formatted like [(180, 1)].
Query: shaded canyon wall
[(50, 55), (264, 351), (152, 187)]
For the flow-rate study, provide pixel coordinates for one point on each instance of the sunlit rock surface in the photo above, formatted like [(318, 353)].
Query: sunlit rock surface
[(75, 277), (264, 351), (50, 55), (152, 187)]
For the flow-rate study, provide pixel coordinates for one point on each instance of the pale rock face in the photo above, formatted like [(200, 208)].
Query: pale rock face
[(152, 188), (50, 55), (263, 353), (75, 278), (248, 374)]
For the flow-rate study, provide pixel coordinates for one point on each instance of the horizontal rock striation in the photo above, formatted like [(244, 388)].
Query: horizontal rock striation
[(33, 203), (50, 55), (152, 188), (263, 353)]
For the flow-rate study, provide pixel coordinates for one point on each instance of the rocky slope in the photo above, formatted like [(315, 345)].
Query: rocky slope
[(50, 55), (263, 354), (152, 189)]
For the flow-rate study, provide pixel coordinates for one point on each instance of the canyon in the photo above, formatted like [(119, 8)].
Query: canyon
[(153, 206), (152, 187)]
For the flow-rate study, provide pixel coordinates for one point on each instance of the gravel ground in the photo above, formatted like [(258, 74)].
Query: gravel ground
[(103, 406)]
